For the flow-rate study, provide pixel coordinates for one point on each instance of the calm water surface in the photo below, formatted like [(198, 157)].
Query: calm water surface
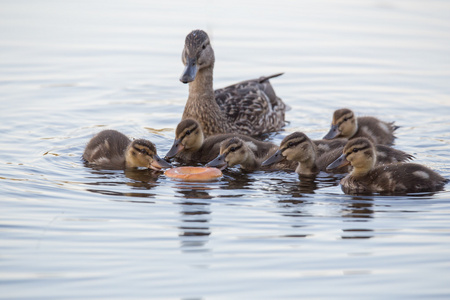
[(68, 70)]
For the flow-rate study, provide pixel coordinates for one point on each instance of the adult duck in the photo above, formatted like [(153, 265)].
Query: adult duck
[(250, 107)]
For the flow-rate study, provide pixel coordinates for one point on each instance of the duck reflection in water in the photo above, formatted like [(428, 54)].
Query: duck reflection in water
[(195, 216)]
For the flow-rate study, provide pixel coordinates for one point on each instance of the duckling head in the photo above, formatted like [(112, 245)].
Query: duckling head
[(197, 54), (188, 137), (344, 124), (233, 151), (142, 153), (360, 153), (296, 146)]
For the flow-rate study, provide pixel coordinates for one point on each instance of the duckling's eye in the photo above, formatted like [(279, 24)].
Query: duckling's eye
[(345, 119), (232, 149), (355, 150), (290, 144), (188, 132), (204, 46)]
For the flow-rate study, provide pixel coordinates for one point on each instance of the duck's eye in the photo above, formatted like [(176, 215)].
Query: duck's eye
[(232, 149), (188, 132), (290, 144), (143, 151), (345, 119), (204, 46), (355, 150)]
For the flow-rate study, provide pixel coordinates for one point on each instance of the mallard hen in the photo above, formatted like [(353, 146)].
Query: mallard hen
[(392, 178), (346, 125), (110, 149), (314, 156), (250, 107)]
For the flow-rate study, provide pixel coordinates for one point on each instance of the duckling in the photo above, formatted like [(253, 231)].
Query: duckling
[(346, 125), (392, 178), (299, 148), (250, 107), (111, 149), (314, 156), (247, 154), (190, 145)]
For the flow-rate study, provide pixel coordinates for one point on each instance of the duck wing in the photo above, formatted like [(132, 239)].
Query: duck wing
[(252, 106)]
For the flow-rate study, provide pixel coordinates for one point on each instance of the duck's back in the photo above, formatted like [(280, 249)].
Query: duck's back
[(395, 178), (252, 106), (379, 132), (106, 149)]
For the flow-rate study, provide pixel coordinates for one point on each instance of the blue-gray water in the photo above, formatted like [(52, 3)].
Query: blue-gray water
[(70, 69)]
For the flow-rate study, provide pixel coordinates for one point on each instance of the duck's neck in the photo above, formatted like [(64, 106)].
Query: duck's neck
[(307, 167), (250, 163), (202, 106), (307, 163)]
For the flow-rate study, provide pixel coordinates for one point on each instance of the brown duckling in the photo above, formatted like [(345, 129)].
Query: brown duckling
[(247, 154), (346, 125), (366, 177), (190, 145), (314, 156), (110, 149), (250, 107)]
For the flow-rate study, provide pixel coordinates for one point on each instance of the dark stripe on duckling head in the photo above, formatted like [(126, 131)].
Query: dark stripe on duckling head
[(357, 145), (186, 127), (342, 115), (293, 140), (144, 146), (231, 145)]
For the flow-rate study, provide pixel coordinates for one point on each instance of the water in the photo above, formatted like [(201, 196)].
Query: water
[(69, 70)]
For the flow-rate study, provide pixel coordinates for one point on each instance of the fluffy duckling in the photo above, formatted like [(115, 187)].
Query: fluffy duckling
[(247, 154), (346, 125), (190, 145), (111, 149), (393, 178), (249, 107), (299, 148), (314, 156)]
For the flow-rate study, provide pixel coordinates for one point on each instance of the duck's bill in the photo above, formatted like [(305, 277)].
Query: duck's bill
[(190, 71), (276, 157), (218, 162), (334, 132), (340, 162), (177, 147), (158, 163)]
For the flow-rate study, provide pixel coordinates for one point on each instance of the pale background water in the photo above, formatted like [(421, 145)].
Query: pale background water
[(70, 69)]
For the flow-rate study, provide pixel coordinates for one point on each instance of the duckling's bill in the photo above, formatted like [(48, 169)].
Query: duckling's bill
[(219, 162), (158, 163), (341, 161), (334, 132), (177, 147), (275, 158)]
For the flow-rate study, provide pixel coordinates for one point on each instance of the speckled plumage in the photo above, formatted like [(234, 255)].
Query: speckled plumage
[(391, 178), (346, 125), (250, 107)]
